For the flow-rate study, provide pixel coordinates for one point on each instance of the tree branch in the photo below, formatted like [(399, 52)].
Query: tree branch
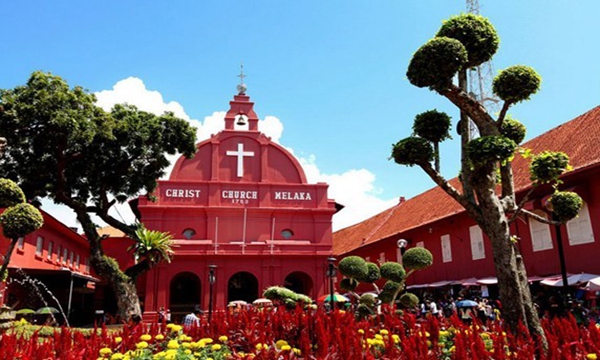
[(502, 115), (507, 181), (539, 218), (519, 207), (485, 123), (138, 269), (471, 207)]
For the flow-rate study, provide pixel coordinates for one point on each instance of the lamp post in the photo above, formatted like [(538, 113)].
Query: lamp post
[(402, 244), (211, 281), (331, 273), (561, 258)]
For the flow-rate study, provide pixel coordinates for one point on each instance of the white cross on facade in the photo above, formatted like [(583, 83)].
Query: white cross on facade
[(240, 153)]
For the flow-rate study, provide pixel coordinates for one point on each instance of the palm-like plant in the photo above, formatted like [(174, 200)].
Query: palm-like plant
[(154, 246)]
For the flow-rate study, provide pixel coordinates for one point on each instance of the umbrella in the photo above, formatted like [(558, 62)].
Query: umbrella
[(262, 301), (25, 311), (237, 303), (593, 284), (47, 310), (466, 303), (336, 298), (572, 280)]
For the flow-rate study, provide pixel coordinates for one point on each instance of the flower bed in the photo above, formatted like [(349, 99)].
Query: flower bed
[(299, 334)]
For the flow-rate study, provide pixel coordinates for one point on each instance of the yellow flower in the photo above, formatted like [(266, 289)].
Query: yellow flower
[(378, 337), (173, 344), (222, 338), (297, 351), (186, 345), (361, 331), (105, 351), (187, 351), (141, 345), (117, 356), (280, 343), (383, 332), (216, 347), (396, 338), (176, 328), (159, 337), (207, 340), (286, 348), (145, 337), (118, 339), (591, 356)]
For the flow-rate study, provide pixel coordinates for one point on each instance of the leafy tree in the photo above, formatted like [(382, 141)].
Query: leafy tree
[(18, 218), (463, 42), (66, 148)]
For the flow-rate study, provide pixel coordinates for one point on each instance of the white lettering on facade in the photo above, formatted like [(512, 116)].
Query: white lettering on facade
[(182, 193), (237, 194), (296, 195)]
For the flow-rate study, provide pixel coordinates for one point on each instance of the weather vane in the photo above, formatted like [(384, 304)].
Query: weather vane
[(241, 88)]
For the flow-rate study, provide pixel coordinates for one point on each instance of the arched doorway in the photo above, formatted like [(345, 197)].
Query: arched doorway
[(299, 282), (242, 286), (184, 295)]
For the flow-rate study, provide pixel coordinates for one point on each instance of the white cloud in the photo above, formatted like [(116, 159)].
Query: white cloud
[(354, 188)]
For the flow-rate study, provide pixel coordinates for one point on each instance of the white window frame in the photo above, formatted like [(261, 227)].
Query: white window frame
[(21, 243), (77, 261), (446, 248), (477, 244), (541, 238), (71, 258), (59, 254), (399, 255), (420, 244), (65, 255), (579, 229), (50, 248), (368, 259), (381, 257), (39, 246)]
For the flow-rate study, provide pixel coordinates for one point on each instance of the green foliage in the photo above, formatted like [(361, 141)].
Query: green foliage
[(393, 271), (417, 258), (152, 245), (363, 311), (10, 193), (409, 300), (489, 149), (285, 295), (477, 35), (349, 284), (391, 286), (20, 220), (432, 125), (513, 129), (436, 62), (368, 299), (373, 273), (412, 151), (565, 205), (547, 166), (386, 297), (516, 83), (353, 267)]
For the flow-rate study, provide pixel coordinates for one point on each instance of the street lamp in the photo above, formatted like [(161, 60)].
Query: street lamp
[(402, 244), (331, 273), (211, 281), (561, 258)]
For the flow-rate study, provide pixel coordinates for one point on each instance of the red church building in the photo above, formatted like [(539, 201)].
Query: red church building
[(243, 208), (462, 253)]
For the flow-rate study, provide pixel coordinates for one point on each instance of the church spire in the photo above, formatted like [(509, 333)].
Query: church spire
[(241, 88)]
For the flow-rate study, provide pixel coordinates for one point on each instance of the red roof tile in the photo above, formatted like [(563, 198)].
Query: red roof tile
[(578, 138)]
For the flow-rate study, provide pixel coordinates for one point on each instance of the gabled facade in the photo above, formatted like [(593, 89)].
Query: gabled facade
[(461, 252)]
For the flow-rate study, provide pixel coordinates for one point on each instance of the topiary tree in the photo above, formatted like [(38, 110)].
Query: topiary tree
[(463, 42), (18, 218), (285, 296)]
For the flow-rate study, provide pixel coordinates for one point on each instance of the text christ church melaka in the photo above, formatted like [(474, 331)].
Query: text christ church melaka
[(243, 206)]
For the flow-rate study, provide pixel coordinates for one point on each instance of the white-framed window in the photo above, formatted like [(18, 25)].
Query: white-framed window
[(65, 254), (77, 259), (50, 246), (21, 243), (39, 246), (420, 244), (71, 258), (399, 255), (87, 265), (446, 248), (58, 254), (381, 258), (477, 245), (541, 239), (368, 259), (579, 229)]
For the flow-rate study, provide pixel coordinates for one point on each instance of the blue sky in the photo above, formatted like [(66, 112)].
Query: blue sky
[(332, 72)]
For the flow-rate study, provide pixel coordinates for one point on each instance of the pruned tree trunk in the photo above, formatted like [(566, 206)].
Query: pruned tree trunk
[(7, 256)]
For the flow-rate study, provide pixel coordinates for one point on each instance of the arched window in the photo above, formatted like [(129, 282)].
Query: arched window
[(189, 233), (287, 234)]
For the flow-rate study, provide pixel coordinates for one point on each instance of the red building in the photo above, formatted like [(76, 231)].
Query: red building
[(243, 206), (462, 254)]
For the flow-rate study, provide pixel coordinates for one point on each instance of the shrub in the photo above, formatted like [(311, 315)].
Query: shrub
[(489, 149), (412, 151), (477, 35), (516, 83), (432, 125), (417, 258), (513, 129), (349, 284), (368, 299), (392, 271), (436, 62), (565, 205), (409, 300), (10, 193), (548, 166), (20, 220), (353, 267), (373, 273)]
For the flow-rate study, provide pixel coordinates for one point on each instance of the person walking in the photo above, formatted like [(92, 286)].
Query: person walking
[(193, 318)]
